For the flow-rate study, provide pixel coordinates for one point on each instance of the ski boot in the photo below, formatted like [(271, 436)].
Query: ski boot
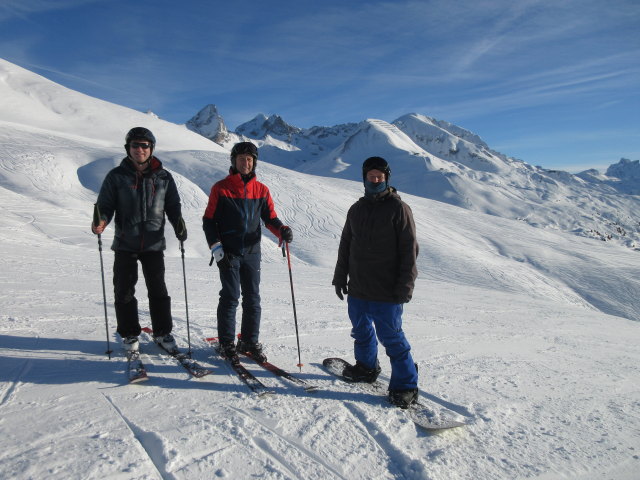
[(228, 351), (254, 349), (131, 343), (167, 342)]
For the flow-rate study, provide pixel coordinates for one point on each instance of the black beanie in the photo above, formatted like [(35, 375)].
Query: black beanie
[(376, 163)]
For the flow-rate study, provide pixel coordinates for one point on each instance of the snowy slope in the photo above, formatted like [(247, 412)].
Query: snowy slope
[(30, 100), (528, 335)]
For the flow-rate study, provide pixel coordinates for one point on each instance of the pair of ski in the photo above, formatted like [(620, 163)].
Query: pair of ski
[(422, 415), (254, 384), (136, 371)]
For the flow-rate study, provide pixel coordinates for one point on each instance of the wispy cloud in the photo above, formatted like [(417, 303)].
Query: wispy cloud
[(22, 9), (334, 61)]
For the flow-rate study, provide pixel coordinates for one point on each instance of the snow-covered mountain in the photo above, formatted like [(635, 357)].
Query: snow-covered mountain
[(209, 124), (441, 161), (528, 335)]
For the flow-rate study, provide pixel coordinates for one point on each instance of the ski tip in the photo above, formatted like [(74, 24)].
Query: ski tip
[(264, 393), (437, 427), (139, 379)]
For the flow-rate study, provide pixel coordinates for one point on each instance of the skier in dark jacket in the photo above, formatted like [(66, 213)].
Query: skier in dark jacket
[(139, 192), (376, 267), (231, 224)]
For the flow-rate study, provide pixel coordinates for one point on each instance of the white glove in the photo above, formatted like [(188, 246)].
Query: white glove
[(217, 252)]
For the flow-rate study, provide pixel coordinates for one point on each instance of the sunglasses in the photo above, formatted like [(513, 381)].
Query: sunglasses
[(144, 146)]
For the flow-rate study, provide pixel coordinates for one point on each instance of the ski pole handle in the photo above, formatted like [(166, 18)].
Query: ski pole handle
[(96, 215)]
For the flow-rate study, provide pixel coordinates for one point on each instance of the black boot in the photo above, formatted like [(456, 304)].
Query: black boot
[(228, 351), (403, 398), (360, 373), (253, 349)]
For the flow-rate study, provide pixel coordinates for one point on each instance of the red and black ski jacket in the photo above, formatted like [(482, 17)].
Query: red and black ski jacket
[(234, 211)]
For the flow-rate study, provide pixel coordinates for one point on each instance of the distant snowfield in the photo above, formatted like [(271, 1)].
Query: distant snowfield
[(528, 335)]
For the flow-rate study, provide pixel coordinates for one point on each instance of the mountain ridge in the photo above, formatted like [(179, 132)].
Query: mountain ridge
[(439, 160)]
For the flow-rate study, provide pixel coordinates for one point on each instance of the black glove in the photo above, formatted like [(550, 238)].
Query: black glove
[(286, 234), (181, 230), (340, 290), (402, 295)]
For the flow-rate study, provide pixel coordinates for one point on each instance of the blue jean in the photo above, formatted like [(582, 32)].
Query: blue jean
[(243, 277), (387, 319)]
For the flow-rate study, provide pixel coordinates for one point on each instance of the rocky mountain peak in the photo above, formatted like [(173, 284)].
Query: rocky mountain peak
[(210, 124), (262, 126)]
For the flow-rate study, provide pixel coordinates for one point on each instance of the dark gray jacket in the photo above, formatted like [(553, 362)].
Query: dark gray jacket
[(139, 202), (378, 250)]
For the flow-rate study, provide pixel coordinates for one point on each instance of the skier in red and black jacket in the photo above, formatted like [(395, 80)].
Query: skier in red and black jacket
[(231, 223)]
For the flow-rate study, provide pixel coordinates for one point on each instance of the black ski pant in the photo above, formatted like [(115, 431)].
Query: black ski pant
[(125, 277), (241, 277)]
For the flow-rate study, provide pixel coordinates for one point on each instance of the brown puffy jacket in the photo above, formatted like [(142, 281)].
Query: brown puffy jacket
[(378, 250)]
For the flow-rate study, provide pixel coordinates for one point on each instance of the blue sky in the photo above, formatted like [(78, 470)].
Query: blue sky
[(554, 83)]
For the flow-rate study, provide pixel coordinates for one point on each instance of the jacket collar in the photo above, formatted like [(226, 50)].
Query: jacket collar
[(381, 197), (154, 165), (236, 177)]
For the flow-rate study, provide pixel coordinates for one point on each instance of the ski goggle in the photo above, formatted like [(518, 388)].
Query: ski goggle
[(144, 146)]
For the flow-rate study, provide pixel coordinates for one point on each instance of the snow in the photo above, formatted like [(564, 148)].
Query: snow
[(529, 335)]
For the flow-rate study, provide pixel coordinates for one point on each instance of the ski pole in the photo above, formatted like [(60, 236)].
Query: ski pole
[(96, 222), (293, 301), (186, 302)]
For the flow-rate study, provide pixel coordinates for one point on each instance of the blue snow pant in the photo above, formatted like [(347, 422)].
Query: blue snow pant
[(387, 318), (242, 277)]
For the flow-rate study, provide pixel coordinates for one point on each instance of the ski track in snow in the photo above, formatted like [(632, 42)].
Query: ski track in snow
[(296, 467), (399, 461), (148, 443), (14, 385)]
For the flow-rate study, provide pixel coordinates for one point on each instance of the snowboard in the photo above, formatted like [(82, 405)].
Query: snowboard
[(431, 418)]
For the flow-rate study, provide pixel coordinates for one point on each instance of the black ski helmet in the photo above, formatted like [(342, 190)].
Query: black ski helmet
[(244, 148), (140, 132), (376, 163)]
